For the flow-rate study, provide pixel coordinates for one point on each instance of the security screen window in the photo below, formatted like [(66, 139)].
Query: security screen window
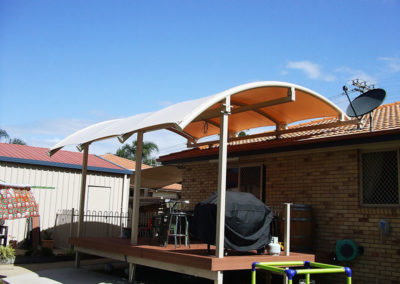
[(380, 178), (244, 179)]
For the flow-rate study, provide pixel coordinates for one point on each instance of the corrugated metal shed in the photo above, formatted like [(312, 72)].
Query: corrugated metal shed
[(56, 183)]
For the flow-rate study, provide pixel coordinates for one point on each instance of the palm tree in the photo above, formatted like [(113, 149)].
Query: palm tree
[(128, 151), (3, 134)]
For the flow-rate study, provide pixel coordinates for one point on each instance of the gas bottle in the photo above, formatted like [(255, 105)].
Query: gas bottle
[(274, 247)]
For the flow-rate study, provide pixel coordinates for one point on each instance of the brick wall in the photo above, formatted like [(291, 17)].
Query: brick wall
[(199, 182), (329, 182)]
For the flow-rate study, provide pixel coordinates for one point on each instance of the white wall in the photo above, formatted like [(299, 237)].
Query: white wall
[(65, 195)]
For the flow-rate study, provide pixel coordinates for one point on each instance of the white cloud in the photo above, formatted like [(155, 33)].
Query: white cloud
[(45, 133), (55, 127), (167, 141), (105, 146), (312, 70), (352, 74), (393, 63)]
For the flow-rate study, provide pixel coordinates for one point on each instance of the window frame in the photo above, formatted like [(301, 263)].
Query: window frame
[(248, 165), (361, 196)]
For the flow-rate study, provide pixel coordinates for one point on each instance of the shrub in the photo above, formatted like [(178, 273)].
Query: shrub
[(6, 252)]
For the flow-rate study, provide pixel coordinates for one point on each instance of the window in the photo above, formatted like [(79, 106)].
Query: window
[(380, 177), (245, 179)]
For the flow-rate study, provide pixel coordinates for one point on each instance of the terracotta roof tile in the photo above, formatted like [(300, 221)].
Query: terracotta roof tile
[(126, 163), (386, 117)]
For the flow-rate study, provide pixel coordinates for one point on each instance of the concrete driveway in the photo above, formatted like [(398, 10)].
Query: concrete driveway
[(91, 272)]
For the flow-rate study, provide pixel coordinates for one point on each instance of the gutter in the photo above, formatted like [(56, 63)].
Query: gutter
[(64, 165)]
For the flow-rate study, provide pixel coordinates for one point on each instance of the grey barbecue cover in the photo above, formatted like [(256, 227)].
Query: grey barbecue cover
[(247, 221)]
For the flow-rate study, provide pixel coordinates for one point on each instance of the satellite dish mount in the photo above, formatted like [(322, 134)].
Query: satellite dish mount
[(365, 103)]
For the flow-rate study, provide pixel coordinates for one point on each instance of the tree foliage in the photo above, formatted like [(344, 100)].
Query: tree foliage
[(242, 134), (128, 151), (4, 135), (17, 141)]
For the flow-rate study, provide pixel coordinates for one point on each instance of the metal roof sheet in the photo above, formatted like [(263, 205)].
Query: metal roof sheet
[(64, 159)]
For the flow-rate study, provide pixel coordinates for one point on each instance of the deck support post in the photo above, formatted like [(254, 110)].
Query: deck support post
[(222, 164), (287, 229), (132, 272), (82, 199), (287, 236), (136, 197), (124, 201), (136, 192), (220, 278)]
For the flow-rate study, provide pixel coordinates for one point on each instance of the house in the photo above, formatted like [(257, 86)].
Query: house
[(130, 165), (56, 182), (348, 174), (169, 191), (287, 165), (172, 191)]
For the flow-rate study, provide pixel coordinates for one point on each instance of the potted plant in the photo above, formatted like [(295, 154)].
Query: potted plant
[(47, 239), (7, 255)]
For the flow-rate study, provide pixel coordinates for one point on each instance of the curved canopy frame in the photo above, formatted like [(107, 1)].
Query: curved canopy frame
[(257, 104)]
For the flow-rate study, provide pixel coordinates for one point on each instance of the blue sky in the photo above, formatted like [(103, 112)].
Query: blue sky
[(67, 64)]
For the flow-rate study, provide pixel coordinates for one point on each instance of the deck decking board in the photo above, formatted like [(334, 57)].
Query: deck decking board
[(195, 256)]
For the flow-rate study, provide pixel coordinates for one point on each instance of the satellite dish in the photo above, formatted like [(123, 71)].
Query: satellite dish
[(366, 102)]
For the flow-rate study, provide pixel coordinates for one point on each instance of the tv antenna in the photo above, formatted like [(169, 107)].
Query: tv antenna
[(369, 99)]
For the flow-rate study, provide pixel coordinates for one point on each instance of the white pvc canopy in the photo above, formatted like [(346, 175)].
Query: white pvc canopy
[(253, 105)]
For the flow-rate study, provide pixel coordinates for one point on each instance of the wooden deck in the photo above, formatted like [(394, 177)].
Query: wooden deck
[(193, 261)]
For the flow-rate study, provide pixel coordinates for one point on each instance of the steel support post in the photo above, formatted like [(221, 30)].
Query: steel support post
[(136, 197), (82, 199), (222, 163)]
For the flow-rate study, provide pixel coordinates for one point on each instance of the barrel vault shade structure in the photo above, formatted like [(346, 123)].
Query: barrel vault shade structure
[(252, 105), (257, 104)]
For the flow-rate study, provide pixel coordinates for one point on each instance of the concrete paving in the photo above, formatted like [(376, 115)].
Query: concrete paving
[(91, 272)]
